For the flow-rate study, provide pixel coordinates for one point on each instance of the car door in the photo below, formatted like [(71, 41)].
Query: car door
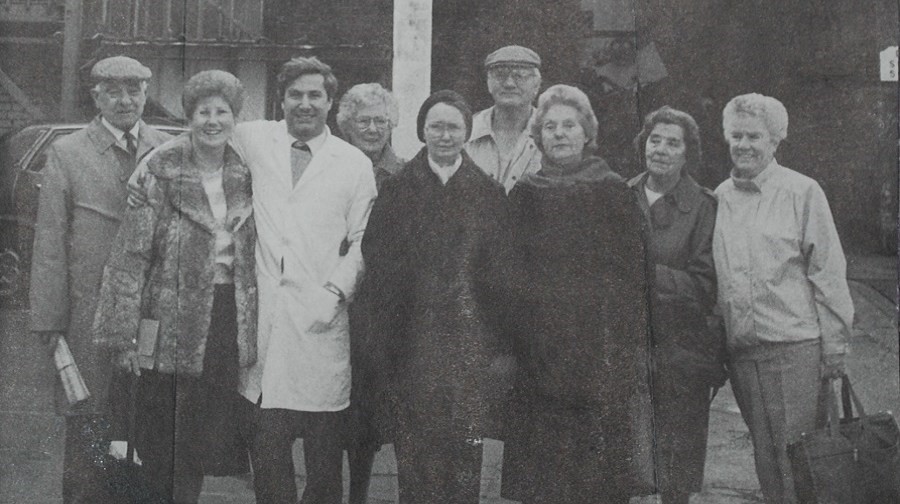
[(26, 194), (14, 148)]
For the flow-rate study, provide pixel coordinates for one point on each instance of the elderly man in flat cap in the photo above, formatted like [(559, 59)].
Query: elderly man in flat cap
[(501, 143), (81, 201)]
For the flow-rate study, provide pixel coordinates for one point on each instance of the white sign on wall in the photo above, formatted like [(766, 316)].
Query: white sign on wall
[(889, 64)]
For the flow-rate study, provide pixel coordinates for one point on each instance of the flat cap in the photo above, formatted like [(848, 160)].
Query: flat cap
[(119, 68), (513, 55)]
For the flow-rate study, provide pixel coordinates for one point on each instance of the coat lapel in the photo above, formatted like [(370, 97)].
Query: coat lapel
[(320, 161), (184, 188), (281, 150), (148, 139), (101, 137), (236, 183)]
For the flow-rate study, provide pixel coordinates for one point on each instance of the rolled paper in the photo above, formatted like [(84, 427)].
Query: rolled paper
[(72, 382)]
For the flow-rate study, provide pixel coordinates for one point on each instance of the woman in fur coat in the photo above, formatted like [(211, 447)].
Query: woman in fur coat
[(570, 436), (178, 300)]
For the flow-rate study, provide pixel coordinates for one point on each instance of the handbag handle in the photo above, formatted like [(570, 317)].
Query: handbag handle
[(850, 400), (834, 416)]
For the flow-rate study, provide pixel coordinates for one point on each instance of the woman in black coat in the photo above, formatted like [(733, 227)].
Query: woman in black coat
[(570, 436), (437, 248), (687, 355)]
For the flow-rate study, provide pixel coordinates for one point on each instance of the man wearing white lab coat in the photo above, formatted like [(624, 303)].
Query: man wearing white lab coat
[(312, 193)]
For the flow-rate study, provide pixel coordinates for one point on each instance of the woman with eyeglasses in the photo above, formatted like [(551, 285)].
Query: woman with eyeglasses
[(570, 435), (437, 250), (366, 116)]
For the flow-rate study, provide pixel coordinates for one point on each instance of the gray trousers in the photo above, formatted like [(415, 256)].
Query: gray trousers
[(780, 393)]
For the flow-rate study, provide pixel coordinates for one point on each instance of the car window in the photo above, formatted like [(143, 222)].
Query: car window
[(14, 146), (40, 158)]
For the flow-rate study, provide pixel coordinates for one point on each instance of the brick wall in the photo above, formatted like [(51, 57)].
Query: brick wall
[(12, 114), (35, 69)]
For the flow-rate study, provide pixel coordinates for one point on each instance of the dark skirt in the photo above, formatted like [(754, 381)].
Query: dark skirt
[(201, 423)]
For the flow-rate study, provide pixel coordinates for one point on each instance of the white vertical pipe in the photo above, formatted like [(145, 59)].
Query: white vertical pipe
[(412, 69)]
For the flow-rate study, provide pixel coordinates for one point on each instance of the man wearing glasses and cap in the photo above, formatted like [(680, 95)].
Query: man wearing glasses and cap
[(500, 144), (81, 201)]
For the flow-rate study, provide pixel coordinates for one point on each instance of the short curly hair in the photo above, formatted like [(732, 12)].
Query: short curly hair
[(667, 115), (297, 67), (562, 94), (361, 95), (212, 83), (770, 110)]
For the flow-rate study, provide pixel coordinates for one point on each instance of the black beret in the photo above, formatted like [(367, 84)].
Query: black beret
[(449, 97)]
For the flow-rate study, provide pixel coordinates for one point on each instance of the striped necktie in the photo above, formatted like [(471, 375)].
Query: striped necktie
[(131, 145), (300, 158)]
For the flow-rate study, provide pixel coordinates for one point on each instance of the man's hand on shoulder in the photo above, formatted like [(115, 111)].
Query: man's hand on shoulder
[(137, 194)]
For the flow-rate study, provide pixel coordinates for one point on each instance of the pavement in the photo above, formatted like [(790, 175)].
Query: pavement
[(31, 435)]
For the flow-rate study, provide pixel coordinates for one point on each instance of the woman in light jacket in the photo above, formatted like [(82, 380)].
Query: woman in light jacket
[(179, 299)]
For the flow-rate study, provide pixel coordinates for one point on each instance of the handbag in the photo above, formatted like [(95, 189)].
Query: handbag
[(854, 460)]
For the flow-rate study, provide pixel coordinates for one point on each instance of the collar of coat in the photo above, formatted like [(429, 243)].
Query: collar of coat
[(389, 162), (482, 127), (686, 194), (466, 172), (103, 139), (181, 183)]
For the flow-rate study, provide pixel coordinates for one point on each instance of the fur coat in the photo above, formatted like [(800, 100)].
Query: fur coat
[(163, 262)]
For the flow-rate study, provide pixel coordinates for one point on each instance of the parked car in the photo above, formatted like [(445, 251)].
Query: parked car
[(22, 157)]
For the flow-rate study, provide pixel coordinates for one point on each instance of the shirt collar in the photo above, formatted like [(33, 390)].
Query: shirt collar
[(315, 144), (116, 132), (481, 123), (444, 172), (756, 183), (683, 195)]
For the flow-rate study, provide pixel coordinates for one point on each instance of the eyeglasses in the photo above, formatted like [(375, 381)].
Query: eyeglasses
[(364, 122), (518, 74), (438, 129), (550, 127)]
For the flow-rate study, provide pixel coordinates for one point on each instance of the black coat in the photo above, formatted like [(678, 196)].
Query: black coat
[(679, 229), (581, 361), (437, 259), (688, 355)]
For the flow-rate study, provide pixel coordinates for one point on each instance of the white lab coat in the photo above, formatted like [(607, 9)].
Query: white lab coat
[(302, 227)]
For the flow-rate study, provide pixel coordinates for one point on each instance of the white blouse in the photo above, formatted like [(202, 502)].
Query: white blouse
[(215, 193)]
